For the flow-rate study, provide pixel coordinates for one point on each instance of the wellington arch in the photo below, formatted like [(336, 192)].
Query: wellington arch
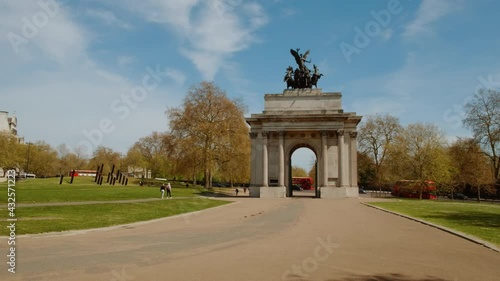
[(303, 117)]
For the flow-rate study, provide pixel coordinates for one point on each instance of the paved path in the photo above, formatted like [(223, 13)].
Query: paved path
[(259, 239)]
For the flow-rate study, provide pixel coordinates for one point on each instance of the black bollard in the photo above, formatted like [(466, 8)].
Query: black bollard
[(96, 174), (114, 179), (113, 170), (126, 181), (123, 180), (60, 181), (72, 176), (100, 180), (109, 174), (120, 177)]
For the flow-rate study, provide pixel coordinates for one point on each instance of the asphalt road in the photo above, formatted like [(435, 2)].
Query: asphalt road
[(258, 239)]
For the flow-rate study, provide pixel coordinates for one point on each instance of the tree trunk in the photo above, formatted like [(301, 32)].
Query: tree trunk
[(207, 179), (478, 194)]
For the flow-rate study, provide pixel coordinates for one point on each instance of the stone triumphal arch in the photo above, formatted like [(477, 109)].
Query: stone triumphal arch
[(303, 118)]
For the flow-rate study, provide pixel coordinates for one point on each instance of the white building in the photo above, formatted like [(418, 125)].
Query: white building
[(8, 123)]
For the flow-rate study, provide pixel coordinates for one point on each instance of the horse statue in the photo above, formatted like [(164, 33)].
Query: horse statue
[(314, 80), (315, 77), (290, 82)]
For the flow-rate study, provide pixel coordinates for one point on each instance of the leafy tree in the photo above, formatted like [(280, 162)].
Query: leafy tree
[(206, 122), (11, 152), (234, 161), (41, 159), (419, 153), (134, 159), (299, 172), (376, 134), (312, 171), (69, 160), (366, 170), (483, 118), (188, 160), (471, 167), (108, 157), (155, 150)]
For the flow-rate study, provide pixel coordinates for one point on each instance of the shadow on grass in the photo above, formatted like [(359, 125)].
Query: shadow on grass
[(387, 277), (208, 193), (472, 218)]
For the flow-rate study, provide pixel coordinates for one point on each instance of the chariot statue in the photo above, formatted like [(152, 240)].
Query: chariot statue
[(302, 77)]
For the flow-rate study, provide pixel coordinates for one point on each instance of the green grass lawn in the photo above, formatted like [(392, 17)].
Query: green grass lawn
[(33, 220), (480, 220), (84, 189)]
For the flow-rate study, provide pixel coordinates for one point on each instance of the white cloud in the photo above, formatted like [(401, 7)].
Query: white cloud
[(58, 89), (288, 12), (176, 75), (387, 34), (428, 13), (52, 35), (210, 32), (108, 18), (125, 60)]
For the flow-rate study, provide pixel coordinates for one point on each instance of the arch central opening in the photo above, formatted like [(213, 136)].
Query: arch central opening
[(303, 173)]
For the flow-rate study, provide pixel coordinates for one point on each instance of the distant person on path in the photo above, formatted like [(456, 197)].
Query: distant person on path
[(245, 189), (162, 190), (187, 185), (237, 190), (169, 191)]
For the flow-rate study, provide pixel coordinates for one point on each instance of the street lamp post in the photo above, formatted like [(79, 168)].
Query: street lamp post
[(28, 159)]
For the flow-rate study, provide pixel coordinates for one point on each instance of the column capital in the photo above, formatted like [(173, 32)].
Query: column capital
[(253, 135), (264, 134), (353, 134), (340, 132), (281, 134), (324, 133)]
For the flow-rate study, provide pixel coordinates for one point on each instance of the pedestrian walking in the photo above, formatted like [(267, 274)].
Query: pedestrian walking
[(169, 191), (162, 190)]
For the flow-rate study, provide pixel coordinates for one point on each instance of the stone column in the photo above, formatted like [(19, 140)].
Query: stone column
[(253, 151), (353, 160), (281, 176), (324, 155), (342, 176), (265, 162)]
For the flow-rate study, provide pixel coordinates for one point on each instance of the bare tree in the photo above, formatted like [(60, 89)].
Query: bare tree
[(483, 118), (376, 134)]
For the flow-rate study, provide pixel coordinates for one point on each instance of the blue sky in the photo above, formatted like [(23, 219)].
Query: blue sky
[(74, 71)]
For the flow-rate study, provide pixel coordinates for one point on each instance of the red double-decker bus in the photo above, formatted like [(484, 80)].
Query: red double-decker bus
[(84, 173), (412, 189), (305, 182)]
